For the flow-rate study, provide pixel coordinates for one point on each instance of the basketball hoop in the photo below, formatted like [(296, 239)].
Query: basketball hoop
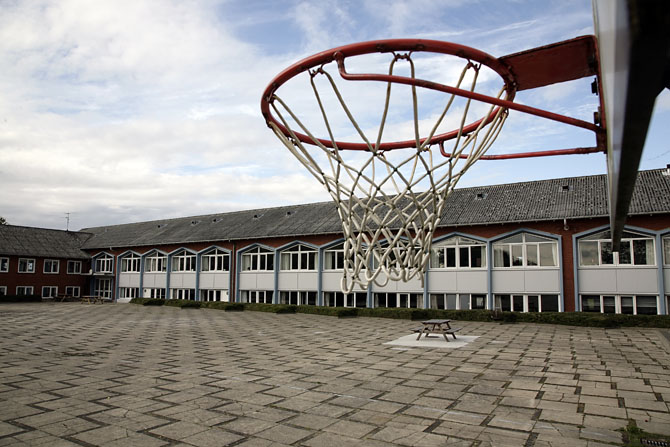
[(390, 195)]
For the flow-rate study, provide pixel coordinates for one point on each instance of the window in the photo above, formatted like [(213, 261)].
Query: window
[(596, 250), (334, 258), (183, 294), (183, 262), (130, 264), (129, 292), (4, 265), (299, 257), (24, 290), (458, 252), (73, 267), (256, 296), (104, 264), (620, 304), (3, 290), (666, 250), (525, 250), (49, 292), (406, 300), (72, 291), (213, 295), (526, 303), (154, 293), (155, 263), (339, 299), (216, 261), (104, 288), (26, 266), (462, 301), (51, 266), (298, 298), (258, 259)]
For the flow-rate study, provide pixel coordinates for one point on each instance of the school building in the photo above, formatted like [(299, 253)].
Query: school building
[(541, 246)]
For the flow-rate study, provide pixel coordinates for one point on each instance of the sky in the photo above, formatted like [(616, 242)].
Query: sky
[(137, 110)]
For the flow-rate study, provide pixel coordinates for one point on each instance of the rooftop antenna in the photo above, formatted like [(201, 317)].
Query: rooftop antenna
[(67, 221)]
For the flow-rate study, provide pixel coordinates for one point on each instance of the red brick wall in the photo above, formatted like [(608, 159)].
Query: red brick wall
[(39, 279)]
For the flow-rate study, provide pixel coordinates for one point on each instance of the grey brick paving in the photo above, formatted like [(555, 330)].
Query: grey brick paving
[(126, 375)]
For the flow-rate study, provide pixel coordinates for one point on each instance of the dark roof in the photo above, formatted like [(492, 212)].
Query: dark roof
[(41, 242), (556, 199)]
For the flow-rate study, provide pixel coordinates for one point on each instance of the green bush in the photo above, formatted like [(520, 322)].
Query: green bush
[(347, 312), (148, 301), (285, 309), (20, 298)]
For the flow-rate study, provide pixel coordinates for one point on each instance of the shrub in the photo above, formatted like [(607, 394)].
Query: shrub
[(347, 312), (153, 302)]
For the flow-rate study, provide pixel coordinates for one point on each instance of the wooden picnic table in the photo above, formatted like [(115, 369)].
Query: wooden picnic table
[(436, 326), (92, 299)]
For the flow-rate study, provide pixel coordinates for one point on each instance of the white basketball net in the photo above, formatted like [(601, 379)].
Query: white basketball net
[(390, 208)]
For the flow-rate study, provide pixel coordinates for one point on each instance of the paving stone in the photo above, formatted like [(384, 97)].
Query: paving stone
[(284, 434)]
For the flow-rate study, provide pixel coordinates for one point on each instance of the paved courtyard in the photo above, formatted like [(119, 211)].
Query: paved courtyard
[(125, 375)]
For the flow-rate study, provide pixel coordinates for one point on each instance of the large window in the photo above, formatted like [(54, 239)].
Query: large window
[(129, 292), (298, 298), (73, 267), (213, 295), (183, 294), (458, 252), (334, 258), (154, 293), (104, 264), (216, 261), (256, 296), (411, 300), (72, 291), (24, 290), (596, 250), (620, 304), (299, 257), (49, 291), (339, 299), (183, 261), (525, 250), (526, 303), (51, 266), (3, 290), (4, 265), (26, 266), (258, 259), (131, 264), (155, 263), (463, 301)]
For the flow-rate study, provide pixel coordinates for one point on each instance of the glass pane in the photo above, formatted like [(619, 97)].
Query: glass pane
[(516, 239), (479, 301), (624, 253), (503, 302), (464, 301), (549, 255), (451, 257), (609, 306), (451, 301), (606, 257), (643, 252), (464, 257), (501, 256), (534, 238), (590, 303), (436, 301), (646, 305), (270, 259), (477, 254), (533, 303), (666, 251), (518, 303), (549, 303), (246, 262), (531, 254), (517, 255), (434, 258)]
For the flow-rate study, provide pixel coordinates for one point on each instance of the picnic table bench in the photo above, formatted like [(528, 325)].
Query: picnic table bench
[(436, 326)]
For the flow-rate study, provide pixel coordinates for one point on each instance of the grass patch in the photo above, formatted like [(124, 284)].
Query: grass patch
[(633, 436)]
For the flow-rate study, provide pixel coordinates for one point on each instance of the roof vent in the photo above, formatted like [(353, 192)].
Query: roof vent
[(288, 213), (217, 219), (566, 188), (481, 195), (195, 222), (667, 170), (161, 225), (257, 216)]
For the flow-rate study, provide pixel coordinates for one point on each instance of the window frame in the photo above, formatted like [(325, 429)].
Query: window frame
[(296, 257), (4, 264), (27, 262), (252, 260), (3, 290), (27, 288), (665, 242), (217, 257), (460, 243), (333, 259), (183, 262), (520, 250), (603, 239), (74, 263), (618, 303), (155, 263), (104, 264), (52, 289), (51, 263), (72, 290), (133, 261)]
